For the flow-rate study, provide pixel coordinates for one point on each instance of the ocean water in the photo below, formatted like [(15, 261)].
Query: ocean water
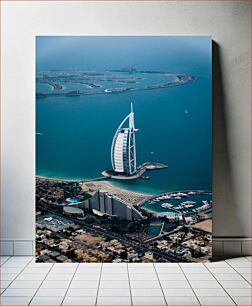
[(197, 199), (175, 123)]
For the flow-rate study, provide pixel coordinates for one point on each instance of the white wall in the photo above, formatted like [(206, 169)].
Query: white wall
[(229, 25)]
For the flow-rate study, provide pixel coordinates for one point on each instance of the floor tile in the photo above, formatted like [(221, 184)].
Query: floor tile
[(168, 270), (8, 276), (114, 292), (63, 271), (42, 265), (142, 271), (67, 266), (146, 292), (144, 284), (195, 270), (88, 271), (51, 292), (229, 276), (25, 284), (178, 292), (109, 301), (3, 259), (219, 270), (235, 284), (86, 268), (114, 268), (29, 276), (87, 277), (111, 277), (220, 300), (164, 264), (29, 270), (113, 284), (210, 292), (191, 264), (201, 277), (82, 292), (243, 300), (19, 292), (243, 270), (79, 301), (9, 270), (114, 271), (239, 291), (15, 300), (55, 284), (115, 265), (236, 259), (166, 284), (143, 277), (14, 264), (204, 284), (142, 265), (148, 301), (90, 265), (88, 284), (5, 283), (217, 264), (239, 264), (248, 277), (59, 277), (47, 300), (21, 258), (190, 300), (172, 276)]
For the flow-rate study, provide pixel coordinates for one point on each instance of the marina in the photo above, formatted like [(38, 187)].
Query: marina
[(181, 202)]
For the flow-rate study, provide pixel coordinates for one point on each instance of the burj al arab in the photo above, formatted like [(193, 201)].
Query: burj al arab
[(123, 148)]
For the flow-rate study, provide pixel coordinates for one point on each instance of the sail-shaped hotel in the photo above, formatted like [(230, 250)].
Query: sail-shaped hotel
[(123, 149)]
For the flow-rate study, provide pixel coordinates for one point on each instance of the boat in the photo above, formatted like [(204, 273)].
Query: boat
[(188, 203), (182, 195), (166, 205), (145, 177), (191, 192)]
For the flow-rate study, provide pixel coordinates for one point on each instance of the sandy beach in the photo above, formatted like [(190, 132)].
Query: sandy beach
[(129, 196), (56, 179)]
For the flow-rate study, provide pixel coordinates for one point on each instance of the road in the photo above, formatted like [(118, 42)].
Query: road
[(141, 246)]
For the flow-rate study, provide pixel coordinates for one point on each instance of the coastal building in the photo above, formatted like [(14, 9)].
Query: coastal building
[(123, 149), (111, 205), (73, 211)]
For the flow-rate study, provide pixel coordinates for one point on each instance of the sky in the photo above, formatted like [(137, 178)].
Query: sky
[(102, 52)]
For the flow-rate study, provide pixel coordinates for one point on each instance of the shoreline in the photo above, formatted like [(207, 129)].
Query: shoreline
[(133, 197), (57, 179)]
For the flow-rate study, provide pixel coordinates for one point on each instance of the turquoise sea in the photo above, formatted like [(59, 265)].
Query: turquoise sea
[(175, 123)]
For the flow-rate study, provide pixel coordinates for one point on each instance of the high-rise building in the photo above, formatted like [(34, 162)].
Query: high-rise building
[(123, 149)]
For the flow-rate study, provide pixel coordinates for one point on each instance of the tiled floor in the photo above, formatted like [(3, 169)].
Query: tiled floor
[(24, 282)]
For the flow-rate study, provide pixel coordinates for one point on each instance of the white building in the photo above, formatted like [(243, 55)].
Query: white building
[(123, 149)]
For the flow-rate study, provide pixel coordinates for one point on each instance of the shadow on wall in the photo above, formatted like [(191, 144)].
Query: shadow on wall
[(225, 208)]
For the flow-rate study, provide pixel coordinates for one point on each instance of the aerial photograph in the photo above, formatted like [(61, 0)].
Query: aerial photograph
[(123, 149)]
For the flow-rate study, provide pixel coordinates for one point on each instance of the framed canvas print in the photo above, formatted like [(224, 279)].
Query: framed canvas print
[(123, 149)]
